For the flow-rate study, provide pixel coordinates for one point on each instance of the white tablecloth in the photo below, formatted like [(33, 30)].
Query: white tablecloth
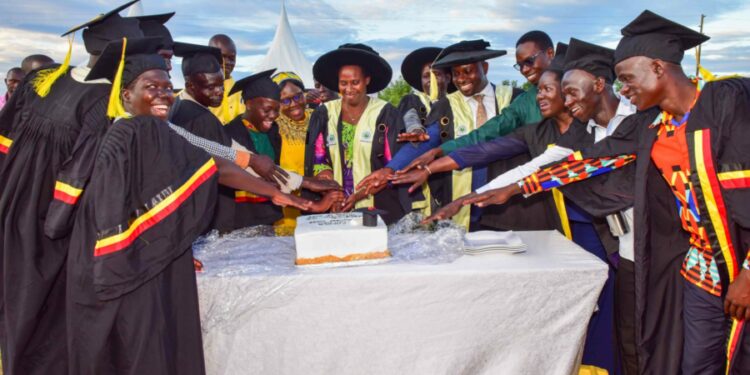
[(487, 314)]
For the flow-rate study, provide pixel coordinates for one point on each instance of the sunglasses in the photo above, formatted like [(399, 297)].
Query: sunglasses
[(299, 98), (528, 62)]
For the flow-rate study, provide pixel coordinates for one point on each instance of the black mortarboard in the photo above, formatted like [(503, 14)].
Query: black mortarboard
[(153, 26), (590, 58), (326, 68), (654, 36), (197, 58), (558, 62), (123, 67), (466, 52), (107, 27), (258, 85), (140, 56), (411, 68)]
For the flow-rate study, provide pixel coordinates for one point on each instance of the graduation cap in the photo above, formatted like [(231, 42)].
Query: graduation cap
[(466, 52), (107, 27), (281, 78), (122, 62), (197, 58), (258, 85), (654, 36), (558, 62), (590, 58), (153, 25), (98, 32), (411, 68), (326, 68)]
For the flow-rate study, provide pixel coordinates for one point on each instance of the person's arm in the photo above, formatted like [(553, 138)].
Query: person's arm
[(571, 171), (523, 110), (409, 151), (485, 153), (237, 178), (213, 148), (551, 155)]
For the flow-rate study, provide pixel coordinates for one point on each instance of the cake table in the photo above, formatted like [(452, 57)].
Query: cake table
[(487, 314)]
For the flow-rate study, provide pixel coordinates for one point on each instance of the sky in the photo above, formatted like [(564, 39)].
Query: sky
[(391, 27)]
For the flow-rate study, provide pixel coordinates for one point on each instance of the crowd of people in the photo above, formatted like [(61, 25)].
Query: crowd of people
[(110, 174)]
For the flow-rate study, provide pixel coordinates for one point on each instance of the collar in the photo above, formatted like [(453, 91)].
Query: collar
[(624, 109), (488, 91), (80, 72), (249, 126), (183, 95)]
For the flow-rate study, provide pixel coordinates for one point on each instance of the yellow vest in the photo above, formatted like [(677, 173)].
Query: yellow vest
[(463, 123), (362, 144), (231, 106)]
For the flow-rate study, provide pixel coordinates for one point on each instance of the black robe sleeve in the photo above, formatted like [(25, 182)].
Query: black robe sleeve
[(148, 200), (75, 172)]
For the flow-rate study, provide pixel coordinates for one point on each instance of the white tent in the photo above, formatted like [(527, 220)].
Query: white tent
[(135, 10), (284, 53)]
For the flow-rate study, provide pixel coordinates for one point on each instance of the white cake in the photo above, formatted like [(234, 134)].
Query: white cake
[(339, 237)]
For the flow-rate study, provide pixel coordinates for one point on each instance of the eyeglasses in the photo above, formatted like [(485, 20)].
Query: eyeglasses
[(528, 62), (299, 98)]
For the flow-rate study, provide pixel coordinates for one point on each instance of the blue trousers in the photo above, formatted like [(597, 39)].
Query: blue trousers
[(600, 348)]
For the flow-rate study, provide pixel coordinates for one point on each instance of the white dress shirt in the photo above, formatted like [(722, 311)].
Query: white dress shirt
[(490, 103)]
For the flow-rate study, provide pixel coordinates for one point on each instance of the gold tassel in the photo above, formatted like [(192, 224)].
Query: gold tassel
[(434, 92), (115, 108), (44, 80)]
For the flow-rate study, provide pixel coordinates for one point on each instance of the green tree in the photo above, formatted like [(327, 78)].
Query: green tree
[(395, 91)]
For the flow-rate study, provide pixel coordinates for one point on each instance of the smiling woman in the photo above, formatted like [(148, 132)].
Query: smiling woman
[(355, 135)]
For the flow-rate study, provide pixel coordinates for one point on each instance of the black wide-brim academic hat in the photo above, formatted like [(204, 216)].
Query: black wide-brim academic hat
[(411, 68), (467, 52), (326, 68)]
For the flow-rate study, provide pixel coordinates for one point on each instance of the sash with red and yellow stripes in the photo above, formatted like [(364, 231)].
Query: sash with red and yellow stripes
[(5, 144), (115, 240)]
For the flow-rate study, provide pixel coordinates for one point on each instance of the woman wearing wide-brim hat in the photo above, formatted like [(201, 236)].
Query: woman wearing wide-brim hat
[(350, 137)]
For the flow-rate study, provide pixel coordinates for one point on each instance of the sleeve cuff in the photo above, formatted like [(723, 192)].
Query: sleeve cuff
[(242, 159)]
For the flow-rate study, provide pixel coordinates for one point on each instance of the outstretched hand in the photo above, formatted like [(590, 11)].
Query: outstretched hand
[(288, 200), (494, 196), (422, 160), (415, 177), (320, 185), (445, 212), (413, 137), (375, 181)]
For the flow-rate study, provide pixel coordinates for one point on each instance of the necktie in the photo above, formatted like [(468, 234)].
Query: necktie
[(481, 110)]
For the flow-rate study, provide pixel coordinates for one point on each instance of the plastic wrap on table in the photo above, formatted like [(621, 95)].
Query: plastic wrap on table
[(257, 250)]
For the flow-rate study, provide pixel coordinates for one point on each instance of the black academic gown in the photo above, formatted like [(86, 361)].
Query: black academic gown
[(719, 120), (199, 121), (516, 214), (132, 294), (412, 101), (262, 211), (54, 140), (395, 200)]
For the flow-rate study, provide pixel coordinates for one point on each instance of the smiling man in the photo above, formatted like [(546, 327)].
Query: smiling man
[(204, 89)]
